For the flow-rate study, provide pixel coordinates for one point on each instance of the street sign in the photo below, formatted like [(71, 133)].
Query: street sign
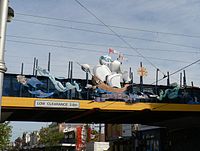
[(56, 104)]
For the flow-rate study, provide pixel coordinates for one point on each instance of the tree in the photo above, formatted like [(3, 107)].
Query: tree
[(94, 135), (18, 143), (50, 136), (5, 135)]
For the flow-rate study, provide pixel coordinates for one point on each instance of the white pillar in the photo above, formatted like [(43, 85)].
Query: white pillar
[(3, 22)]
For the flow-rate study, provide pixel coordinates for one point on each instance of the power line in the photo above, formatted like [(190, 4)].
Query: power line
[(179, 70), (183, 46), (116, 34), (50, 45), (127, 42), (104, 33), (185, 67), (90, 50), (95, 44), (114, 26)]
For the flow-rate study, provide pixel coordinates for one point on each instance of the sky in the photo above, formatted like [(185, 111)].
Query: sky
[(160, 34)]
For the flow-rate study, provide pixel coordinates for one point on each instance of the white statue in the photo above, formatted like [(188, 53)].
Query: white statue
[(110, 72)]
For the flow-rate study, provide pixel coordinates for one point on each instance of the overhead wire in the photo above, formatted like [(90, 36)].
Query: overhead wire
[(95, 44), (179, 70), (90, 50), (127, 42), (119, 36), (183, 45), (105, 33), (114, 26)]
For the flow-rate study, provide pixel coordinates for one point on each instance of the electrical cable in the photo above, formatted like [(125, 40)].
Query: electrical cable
[(179, 70), (90, 50), (104, 33), (119, 36), (127, 42), (114, 26), (95, 44)]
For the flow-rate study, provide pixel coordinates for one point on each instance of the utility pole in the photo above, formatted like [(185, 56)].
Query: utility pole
[(3, 24)]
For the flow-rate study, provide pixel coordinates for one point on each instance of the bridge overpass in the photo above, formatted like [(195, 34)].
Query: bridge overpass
[(19, 105), (87, 111)]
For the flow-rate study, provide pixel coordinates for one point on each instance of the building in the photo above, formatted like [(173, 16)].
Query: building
[(135, 137)]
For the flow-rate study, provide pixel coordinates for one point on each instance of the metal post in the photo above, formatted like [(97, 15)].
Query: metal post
[(168, 81), (22, 72), (69, 66), (87, 75), (71, 72), (3, 23), (130, 72), (49, 61), (48, 67), (69, 69), (157, 71), (22, 69), (34, 67), (141, 79), (184, 79), (180, 79)]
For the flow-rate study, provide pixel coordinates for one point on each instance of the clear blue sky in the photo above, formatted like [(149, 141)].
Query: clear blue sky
[(166, 33)]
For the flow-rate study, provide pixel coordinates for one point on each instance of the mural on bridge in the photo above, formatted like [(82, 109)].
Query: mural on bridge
[(29, 81), (111, 82), (58, 85), (35, 88), (33, 84)]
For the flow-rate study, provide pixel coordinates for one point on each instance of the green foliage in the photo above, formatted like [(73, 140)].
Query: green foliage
[(95, 136), (50, 137), (5, 135)]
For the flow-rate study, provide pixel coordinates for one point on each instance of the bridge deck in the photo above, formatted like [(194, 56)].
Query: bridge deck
[(22, 102), (87, 111)]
